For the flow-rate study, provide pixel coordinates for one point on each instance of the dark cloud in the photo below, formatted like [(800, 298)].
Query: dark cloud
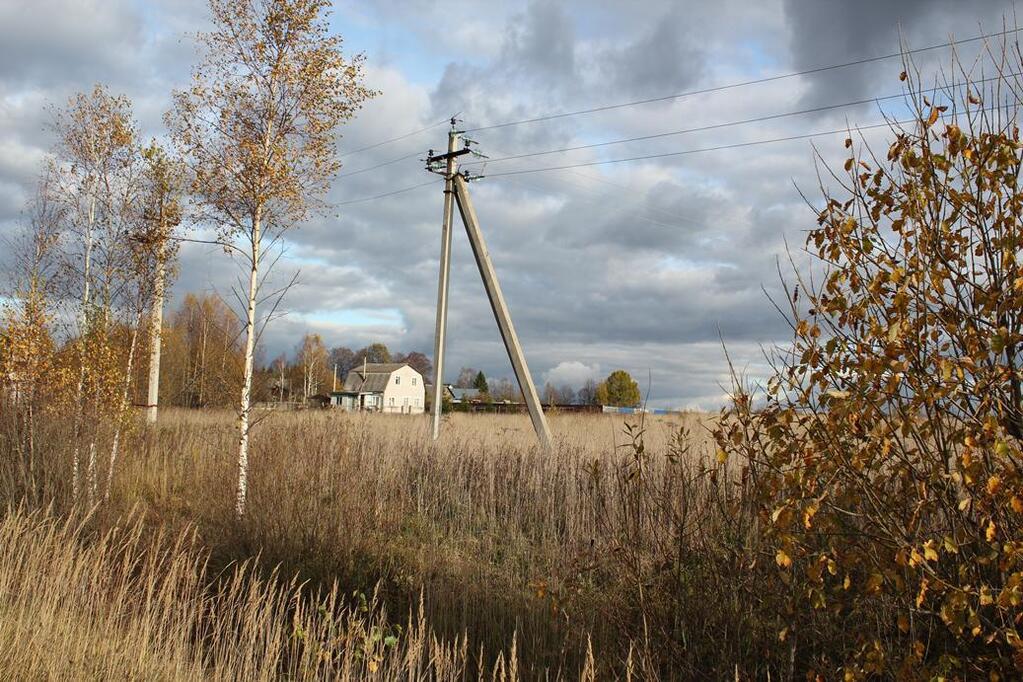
[(665, 59), (825, 32)]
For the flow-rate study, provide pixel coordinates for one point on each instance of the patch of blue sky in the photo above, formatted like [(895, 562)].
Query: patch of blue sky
[(359, 317), (390, 43), (679, 264)]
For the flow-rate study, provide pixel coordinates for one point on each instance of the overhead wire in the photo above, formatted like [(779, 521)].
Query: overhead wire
[(379, 165), (684, 152), (388, 194), (740, 84), (703, 128), (394, 139)]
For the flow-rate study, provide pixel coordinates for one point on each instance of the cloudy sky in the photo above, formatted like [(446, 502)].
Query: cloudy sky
[(643, 265)]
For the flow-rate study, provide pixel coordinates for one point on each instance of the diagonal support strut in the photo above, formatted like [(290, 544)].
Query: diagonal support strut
[(500, 308)]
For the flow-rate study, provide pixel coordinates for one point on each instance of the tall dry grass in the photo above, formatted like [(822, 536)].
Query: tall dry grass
[(116, 606), (624, 547)]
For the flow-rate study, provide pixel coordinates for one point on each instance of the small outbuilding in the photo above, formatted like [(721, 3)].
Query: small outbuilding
[(392, 388)]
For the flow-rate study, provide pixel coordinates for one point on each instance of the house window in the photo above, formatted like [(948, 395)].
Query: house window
[(397, 380), (413, 381), (392, 401), (406, 402)]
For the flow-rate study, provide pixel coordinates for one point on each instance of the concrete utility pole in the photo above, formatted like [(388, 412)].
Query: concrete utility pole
[(456, 190), (442, 281), (501, 314)]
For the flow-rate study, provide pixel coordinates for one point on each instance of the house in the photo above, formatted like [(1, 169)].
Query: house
[(382, 387)]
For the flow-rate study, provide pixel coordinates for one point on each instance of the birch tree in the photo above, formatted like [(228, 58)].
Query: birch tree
[(258, 129), (164, 181), (26, 345), (96, 154), (312, 359)]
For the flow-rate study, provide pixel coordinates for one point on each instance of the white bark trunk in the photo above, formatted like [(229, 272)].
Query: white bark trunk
[(123, 407), (86, 301), (250, 342), (155, 338)]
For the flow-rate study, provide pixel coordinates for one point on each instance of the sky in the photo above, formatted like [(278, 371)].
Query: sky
[(656, 266)]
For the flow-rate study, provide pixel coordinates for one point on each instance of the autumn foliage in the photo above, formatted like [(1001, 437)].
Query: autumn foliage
[(884, 455)]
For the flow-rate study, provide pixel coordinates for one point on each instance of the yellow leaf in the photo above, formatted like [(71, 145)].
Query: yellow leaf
[(991, 531), (930, 550), (994, 484), (933, 117), (903, 623), (1017, 504), (722, 456), (783, 559)]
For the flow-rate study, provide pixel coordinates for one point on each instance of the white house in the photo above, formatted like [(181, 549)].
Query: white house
[(382, 387)]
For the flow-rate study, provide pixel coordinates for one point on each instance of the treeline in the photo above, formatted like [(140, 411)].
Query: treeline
[(618, 389), (249, 151)]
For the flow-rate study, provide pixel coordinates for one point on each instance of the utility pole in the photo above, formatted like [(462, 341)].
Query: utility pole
[(440, 333), (456, 190), (333, 387)]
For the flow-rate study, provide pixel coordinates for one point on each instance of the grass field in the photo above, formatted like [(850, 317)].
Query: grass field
[(606, 555)]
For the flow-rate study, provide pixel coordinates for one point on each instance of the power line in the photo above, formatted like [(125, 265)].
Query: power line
[(394, 139), (379, 165), (388, 194), (684, 152), (712, 126), (755, 81), (729, 124)]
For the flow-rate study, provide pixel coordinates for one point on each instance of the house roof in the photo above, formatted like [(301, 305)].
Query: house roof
[(464, 393), (372, 378)]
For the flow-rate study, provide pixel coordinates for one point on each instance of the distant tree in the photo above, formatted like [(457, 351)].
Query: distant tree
[(480, 383), (566, 395), (587, 395), (202, 355), (466, 377), (375, 352), (420, 363), (344, 358), (550, 394), (312, 361), (258, 127), (619, 390), (505, 389)]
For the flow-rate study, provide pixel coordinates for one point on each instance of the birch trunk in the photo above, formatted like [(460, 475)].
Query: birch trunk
[(155, 338), (250, 342), (123, 406), (86, 300)]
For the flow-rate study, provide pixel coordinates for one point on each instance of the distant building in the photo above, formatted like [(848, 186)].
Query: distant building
[(394, 388), (463, 395)]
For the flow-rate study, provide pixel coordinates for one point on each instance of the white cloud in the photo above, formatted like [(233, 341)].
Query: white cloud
[(572, 373)]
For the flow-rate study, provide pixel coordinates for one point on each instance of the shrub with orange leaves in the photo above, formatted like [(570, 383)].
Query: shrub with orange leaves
[(885, 452)]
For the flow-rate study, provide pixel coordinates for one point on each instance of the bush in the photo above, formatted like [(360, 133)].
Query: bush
[(885, 458)]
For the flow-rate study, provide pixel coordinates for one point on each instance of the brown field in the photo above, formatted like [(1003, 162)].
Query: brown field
[(481, 550)]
